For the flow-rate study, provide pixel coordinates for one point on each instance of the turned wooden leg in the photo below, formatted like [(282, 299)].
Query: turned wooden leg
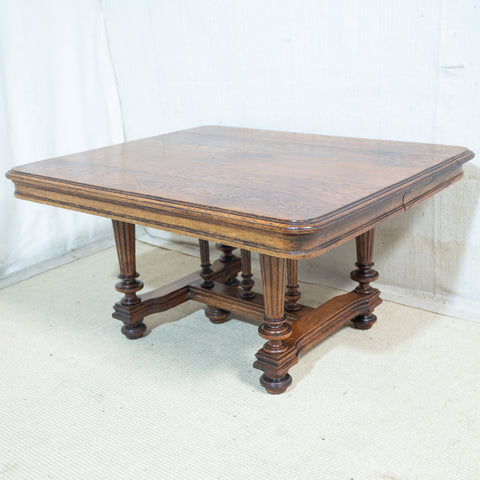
[(227, 257), (216, 315), (213, 313), (275, 329), (205, 264), (364, 275), (128, 285), (247, 282), (293, 294)]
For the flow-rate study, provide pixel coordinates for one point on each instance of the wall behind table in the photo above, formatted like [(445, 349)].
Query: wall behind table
[(393, 70), (57, 96)]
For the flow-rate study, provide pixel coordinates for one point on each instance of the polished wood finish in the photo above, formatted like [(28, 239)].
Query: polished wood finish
[(216, 315), (226, 252), (284, 195), (213, 312), (292, 294), (222, 272), (320, 322), (339, 187), (205, 264), (247, 282), (228, 258), (128, 285), (171, 295), (229, 297), (274, 328), (364, 275)]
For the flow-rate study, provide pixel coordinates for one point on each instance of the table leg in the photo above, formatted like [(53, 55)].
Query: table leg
[(247, 282), (293, 294), (205, 264), (364, 275), (274, 329), (213, 313), (227, 257), (128, 285)]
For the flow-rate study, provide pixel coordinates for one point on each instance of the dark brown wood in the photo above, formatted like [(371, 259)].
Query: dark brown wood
[(156, 301), (216, 315), (205, 264), (339, 188), (274, 328), (213, 312), (284, 195), (227, 255), (176, 293), (247, 282), (227, 297), (293, 293), (311, 327), (228, 258), (315, 325), (222, 272), (128, 285), (364, 275)]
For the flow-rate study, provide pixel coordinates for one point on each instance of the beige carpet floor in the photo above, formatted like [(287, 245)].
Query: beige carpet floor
[(79, 401)]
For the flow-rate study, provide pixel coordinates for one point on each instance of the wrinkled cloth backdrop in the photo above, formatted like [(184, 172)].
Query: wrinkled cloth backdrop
[(78, 75)]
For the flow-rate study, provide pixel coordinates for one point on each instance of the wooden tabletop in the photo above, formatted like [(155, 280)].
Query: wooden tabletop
[(254, 183)]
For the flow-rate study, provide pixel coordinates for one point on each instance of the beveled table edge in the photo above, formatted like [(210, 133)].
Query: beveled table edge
[(298, 226), (287, 242)]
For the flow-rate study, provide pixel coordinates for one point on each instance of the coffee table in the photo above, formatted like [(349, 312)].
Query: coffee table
[(287, 196)]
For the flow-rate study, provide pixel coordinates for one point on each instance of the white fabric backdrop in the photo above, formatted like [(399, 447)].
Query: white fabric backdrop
[(57, 96), (395, 70)]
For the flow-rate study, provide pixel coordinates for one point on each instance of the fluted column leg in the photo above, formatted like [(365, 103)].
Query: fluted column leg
[(212, 312), (227, 257), (274, 329), (128, 285), (292, 294), (205, 264), (364, 275), (247, 282)]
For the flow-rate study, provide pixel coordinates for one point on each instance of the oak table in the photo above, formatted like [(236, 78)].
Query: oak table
[(287, 196)]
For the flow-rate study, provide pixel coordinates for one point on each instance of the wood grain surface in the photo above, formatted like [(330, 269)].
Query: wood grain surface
[(244, 187)]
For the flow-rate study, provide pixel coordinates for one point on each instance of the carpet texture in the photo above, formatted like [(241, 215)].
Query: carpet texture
[(79, 401)]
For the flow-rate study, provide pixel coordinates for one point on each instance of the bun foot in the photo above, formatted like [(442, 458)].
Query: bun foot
[(364, 322), (132, 332), (233, 281), (275, 386), (292, 307), (216, 315)]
